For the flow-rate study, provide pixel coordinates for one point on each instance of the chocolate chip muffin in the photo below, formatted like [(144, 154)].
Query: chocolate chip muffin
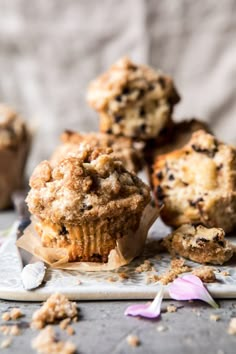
[(199, 244), (85, 203), (124, 149), (14, 147), (197, 183), (133, 100)]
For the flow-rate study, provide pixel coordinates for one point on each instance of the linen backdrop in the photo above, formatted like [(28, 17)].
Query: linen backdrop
[(51, 49)]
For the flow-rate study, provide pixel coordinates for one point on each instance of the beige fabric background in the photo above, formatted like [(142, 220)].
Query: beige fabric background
[(50, 49)]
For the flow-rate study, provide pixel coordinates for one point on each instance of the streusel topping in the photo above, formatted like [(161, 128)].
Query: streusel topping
[(85, 187), (133, 82)]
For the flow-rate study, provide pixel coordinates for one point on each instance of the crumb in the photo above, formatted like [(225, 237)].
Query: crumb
[(57, 307), (146, 266), (112, 279), (123, 275), (133, 340), (10, 330), (225, 273), (205, 273), (214, 317), (161, 328), (177, 266), (70, 331), (16, 313), (6, 343), (46, 343), (152, 278), (64, 323), (6, 316), (75, 319), (232, 326), (171, 308)]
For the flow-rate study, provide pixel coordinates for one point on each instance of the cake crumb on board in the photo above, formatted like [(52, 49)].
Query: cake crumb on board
[(133, 340)]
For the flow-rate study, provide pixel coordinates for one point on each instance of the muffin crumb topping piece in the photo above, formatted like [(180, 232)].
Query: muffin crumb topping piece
[(56, 308), (47, 343), (133, 340)]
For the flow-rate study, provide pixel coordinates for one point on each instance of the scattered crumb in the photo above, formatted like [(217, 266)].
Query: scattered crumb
[(232, 326), (64, 323), (214, 317), (152, 278), (16, 313), (46, 343), (70, 331), (6, 316), (10, 330), (225, 273), (133, 340), (146, 266), (6, 343), (161, 328), (177, 266), (112, 279), (205, 273), (57, 307), (123, 275), (171, 308)]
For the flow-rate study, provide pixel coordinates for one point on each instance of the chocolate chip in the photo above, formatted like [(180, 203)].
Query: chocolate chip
[(193, 203), (109, 131), (161, 82), (218, 240), (202, 239), (219, 167), (142, 112), (159, 193), (171, 177), (210, 153), (141, 93), (125, 91), (143, 127), (63, 230), (159, 175), (118, 98), (118, 118)]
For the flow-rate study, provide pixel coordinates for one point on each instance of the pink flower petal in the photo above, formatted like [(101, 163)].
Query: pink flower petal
[(152, 310), (190, 287)]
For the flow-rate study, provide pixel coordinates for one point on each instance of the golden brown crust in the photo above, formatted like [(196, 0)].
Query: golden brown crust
[(133, 100), (199, 244), (124, 149), (196, 184), (85, 188)]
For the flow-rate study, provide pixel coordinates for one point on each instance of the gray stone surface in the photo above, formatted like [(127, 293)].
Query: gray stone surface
[(103, 328)]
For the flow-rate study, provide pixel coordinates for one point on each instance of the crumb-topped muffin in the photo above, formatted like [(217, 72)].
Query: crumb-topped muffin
[(197, 183), (85, 203), (200, 244), (124, 149), (133, 100), (14, 147)]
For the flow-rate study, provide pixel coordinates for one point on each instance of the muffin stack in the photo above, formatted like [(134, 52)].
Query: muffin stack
[(88, 195)]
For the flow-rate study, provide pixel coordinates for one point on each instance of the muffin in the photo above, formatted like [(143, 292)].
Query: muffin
[(124, 149), (14, 147), (197, 183), (133, 100), (199, 244), (86, 203)]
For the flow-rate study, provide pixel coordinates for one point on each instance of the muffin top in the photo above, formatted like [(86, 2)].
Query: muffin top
[(12, 128), (85, 188), (124, 149), (132, 82)]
